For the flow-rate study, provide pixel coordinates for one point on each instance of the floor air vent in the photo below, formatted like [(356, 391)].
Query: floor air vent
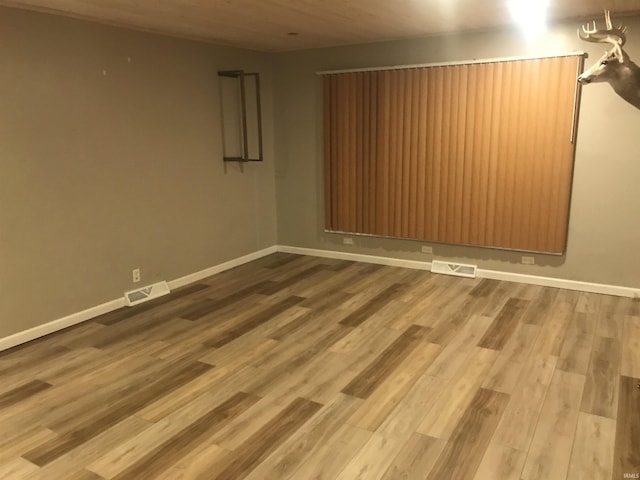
[(458, 269), (146, 293)]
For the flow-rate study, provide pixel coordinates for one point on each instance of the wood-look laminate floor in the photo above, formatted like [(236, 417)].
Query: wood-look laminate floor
[(301, 368)]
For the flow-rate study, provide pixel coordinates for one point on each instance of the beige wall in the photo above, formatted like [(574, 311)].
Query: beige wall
[(103, 174), (604, 228)]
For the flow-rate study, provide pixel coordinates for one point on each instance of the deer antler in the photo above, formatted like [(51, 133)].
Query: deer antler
[(614, 67), (614, 36)]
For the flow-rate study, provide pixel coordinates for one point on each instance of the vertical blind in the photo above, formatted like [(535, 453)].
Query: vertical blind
[(476, 154)]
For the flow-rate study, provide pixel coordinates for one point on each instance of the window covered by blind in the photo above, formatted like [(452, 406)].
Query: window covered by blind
[(476, 154)]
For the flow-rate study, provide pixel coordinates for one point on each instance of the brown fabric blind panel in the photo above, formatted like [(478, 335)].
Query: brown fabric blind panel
[(477, 154)]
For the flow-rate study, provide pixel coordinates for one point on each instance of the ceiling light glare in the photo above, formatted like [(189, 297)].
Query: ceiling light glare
[(530, 15)]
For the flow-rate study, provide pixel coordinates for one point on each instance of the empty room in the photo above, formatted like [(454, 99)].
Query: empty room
[(337, 240)]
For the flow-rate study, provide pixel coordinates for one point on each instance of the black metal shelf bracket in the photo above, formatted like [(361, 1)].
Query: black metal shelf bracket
[(241, 77)]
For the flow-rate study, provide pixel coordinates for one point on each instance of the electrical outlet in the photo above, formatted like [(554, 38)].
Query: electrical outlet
[(347, 241), (136, 275), (526, 260), (426, 249)]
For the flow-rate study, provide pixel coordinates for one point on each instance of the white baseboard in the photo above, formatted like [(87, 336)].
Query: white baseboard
[(60, 324), (93, 312), (602, 288), (356, 257), (492, 274)]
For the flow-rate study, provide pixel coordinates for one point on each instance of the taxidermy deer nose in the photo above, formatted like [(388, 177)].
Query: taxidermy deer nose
[(583, 80)]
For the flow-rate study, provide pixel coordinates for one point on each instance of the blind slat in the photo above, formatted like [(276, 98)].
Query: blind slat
[(468, 154)]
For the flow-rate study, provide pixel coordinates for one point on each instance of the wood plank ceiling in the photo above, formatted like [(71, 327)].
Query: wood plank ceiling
[(266, 25)]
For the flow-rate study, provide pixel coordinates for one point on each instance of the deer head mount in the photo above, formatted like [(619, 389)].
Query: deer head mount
[(615, 66)]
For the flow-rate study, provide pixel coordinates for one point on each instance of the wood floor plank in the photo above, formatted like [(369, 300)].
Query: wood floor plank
[(552, 333), (109, 370), (376, 279), (416, 459), (280, 259), (223, 381), (81, 336), (277, 322), (207, 306), (452, 403), (77, 459), (275, 287), (21, 360), (380, 318), (306, 441), (379, 370), (76, 401), (576, 350), (588, 303), (268, 438), (459, 348), (252, 322), (504, 375), (23, 392), (327, 300), (484, 288), (246, 425), (178, 446), (376, 303), (451, 304), (331, 289), (86, 361), (423, 311), (272, 380), (500, 462), (55, 448), (592, 455), (414, 312), (556, 323), (295, 325), (14, 443), (419, 286), (362, 335), (609, 324), (321, 377), (626, 457), (111, 461), (82, 475), (521, 416), (504, 324), (503, 292), (330, 459), (321, 329), (550, 451), (456, 320), (375, 409), (126, 333), (198, 464), (630, 365), (601, 389), (44, 371), (17, 468), (541, 306), (239, 354), (109, 398), (464, 451), (381, 449)]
